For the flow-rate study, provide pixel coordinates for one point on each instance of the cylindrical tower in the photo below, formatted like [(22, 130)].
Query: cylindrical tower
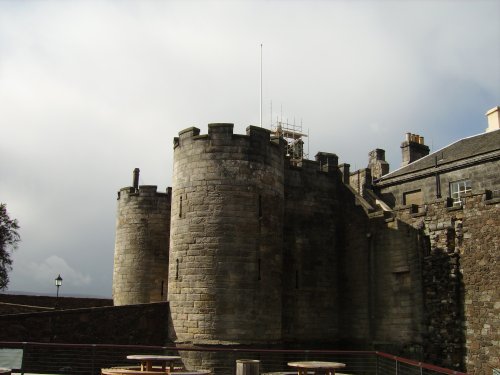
[(140, 272), (225, 274)]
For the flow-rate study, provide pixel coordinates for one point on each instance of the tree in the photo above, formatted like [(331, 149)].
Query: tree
[(8, 242)]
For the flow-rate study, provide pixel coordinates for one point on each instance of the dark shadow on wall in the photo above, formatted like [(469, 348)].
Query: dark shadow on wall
[(144, 324), (444, 309)]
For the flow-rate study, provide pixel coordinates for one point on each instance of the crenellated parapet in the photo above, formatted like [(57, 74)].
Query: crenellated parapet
[(144, 191), (257, 142)]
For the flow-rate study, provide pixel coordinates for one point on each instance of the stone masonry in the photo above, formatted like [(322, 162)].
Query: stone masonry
[(225, 263), (461, 280), (140, 271), (261, 251)]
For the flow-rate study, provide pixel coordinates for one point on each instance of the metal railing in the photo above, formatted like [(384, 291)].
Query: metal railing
[(88, 359)]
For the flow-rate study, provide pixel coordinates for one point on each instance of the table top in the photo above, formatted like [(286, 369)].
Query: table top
[(153, 357), (316, 364)]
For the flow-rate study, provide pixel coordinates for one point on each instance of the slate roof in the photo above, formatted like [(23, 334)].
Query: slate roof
[(462, 149)]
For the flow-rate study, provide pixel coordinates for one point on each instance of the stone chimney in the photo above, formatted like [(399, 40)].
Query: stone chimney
[(135, 178), (327, 161), (377, 163), (413, 148), (493, 116)]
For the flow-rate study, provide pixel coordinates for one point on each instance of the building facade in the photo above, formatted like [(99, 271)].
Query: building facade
[(254, 246)]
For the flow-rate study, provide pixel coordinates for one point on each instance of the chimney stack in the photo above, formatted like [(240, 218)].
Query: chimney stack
[(493, 116), (377, 163), (413, 148), (135, 179)]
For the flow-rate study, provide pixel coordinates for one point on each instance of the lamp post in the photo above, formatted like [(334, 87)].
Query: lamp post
[(58, 281)]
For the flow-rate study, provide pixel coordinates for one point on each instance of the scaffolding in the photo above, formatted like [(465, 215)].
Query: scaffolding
[(293, 135)]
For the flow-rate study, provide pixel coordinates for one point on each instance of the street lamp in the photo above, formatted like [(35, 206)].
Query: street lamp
[(58, 281)]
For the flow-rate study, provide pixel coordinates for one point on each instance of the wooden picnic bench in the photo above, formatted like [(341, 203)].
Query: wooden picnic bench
[(137, 371)]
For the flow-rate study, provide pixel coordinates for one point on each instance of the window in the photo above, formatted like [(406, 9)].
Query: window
[(459, 188)]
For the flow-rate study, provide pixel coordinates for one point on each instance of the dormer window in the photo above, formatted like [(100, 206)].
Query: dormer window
[(458, 189)]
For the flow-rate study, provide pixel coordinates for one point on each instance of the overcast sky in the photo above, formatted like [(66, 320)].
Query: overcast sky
[(89, 90)]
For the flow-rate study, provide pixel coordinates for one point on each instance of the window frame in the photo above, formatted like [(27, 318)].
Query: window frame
[(458, 189)]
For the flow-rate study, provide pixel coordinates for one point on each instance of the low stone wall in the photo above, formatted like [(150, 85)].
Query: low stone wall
[(20, 303), (133, 324)]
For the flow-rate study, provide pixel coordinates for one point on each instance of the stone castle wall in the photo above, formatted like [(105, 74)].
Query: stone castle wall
[(353, 273), (310, 287), (225, 273), (461, 280), (264, 252), (140, 271), (380, 282), (397, 319)]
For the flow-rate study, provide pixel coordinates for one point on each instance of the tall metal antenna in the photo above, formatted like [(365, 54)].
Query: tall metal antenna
[(261, 85), (271, 123)]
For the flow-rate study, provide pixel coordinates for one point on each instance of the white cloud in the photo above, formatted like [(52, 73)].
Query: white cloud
[(90, 90), (46, 271)]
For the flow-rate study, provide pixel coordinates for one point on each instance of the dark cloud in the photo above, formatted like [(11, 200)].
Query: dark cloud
[(91, 90)]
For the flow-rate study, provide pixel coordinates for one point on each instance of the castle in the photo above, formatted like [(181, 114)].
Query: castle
[(256, 245)]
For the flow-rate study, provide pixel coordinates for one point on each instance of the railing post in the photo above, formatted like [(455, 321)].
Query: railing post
[(397, 366), (93, 357), (247, 367), (22, 358)]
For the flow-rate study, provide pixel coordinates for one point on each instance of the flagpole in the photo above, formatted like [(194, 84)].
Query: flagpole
[(261, 85)]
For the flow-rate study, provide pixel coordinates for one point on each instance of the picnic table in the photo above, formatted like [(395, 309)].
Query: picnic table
[(318, 367), (147, 361)]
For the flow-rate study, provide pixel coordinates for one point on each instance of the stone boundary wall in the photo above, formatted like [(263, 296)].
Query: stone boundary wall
[(461, 280), (20, 303), (144, 324)]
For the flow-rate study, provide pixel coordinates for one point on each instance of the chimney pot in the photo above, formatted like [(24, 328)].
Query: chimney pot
[(413, 148)]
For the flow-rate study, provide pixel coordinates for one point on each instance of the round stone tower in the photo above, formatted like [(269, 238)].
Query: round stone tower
[(140, 271), (225, 273)]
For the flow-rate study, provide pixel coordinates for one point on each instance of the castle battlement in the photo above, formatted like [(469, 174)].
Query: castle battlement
[(325, 162), (144, 191), (222, 134)]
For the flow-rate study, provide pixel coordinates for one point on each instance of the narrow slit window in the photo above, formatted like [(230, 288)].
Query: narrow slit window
[(177, 269), (180, 207), (260, 206)]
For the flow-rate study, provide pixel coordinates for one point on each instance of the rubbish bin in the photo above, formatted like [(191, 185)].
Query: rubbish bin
[(247, 367)]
